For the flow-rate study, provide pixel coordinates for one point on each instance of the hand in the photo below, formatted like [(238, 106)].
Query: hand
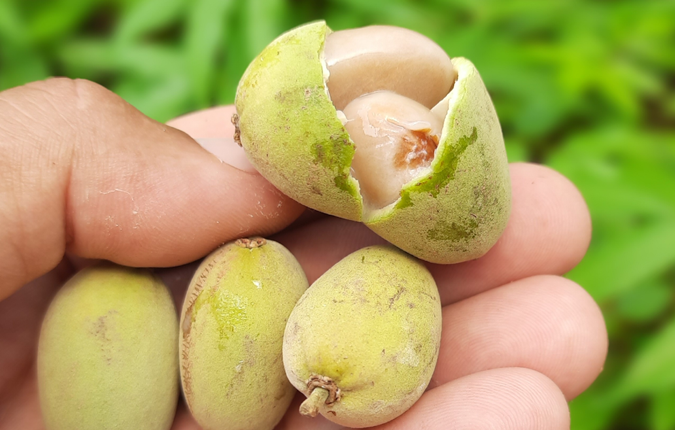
[(83, 175)]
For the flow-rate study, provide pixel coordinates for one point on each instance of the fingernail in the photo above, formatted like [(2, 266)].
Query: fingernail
[(227, 151)]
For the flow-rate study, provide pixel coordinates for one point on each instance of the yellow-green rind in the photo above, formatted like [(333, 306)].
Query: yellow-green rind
[(290, 129), (231, 330), (457, 212), (372, 323), (107, 355)]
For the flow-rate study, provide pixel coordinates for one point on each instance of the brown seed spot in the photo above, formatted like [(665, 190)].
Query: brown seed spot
[(416, 149)]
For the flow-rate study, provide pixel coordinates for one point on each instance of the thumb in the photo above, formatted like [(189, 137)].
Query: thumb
[(82, 170)]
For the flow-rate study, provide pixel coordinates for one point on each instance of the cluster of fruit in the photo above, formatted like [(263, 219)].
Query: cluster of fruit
[(375, 124)]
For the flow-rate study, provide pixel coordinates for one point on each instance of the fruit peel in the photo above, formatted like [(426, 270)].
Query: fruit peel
[(292, 134), (286, 83), (232, 325), (466, 199), (372, 324), (108, 352)]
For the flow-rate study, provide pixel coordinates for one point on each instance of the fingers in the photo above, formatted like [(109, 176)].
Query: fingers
[(320, 244), (20, 319), (548, 233), (214, 131), (545, 323), (21, 408), (82, 170), (293, 420), (500, 399)]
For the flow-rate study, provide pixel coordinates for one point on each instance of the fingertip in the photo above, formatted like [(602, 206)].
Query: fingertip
[(545, 323), (499, 399), (213, 122), (548, 232), (539, 188), (213, 129)]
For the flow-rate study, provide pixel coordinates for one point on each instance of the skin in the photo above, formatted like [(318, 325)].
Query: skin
[(60, 167)]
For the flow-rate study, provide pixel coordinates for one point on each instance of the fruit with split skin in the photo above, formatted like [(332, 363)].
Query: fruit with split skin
[(231, 330), (108, 352), (379, 125), (363, 341)]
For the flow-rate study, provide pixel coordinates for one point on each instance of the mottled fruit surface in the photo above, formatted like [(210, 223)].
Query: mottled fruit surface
[(231, 330), (369, 329), (108, 353)]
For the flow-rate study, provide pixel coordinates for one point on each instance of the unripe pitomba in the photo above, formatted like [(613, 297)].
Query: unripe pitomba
[(379, 125), (231, 330), (108, 353), (363, 341)]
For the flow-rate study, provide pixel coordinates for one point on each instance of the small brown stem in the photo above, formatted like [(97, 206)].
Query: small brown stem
[(237, 132), (310, 407), (250, 243)]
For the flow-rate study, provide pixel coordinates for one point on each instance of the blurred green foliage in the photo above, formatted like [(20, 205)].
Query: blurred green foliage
[(587, 87)]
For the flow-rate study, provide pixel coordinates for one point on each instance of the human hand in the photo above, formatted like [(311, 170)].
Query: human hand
[(86, 176)]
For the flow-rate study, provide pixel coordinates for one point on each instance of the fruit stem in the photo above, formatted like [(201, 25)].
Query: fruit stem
[(250, 243), (314, 401)]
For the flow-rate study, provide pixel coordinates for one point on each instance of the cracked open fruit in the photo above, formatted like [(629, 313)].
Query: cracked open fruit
[(108, 352), (231, 331), (363, 341), (379, 125)]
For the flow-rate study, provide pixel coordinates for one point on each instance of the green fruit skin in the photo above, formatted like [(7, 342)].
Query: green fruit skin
[(458, 211), (290, 129), (292, 135), (372, 323), (232, 325), (108, 355)]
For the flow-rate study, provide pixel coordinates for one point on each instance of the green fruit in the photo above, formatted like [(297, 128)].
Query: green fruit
[(107, 356), (363, 341), (231, 331), (452, 200)]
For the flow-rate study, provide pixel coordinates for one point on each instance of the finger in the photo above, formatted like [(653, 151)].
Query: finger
[(20, 318), (548, 233), (183, 420), (320, 244), (545, 323), (500, 399), (21, 410), (214, 131), (293, 420), (83, 170)]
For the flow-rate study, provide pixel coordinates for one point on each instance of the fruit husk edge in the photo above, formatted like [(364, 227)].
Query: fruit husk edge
[(457, 211), (285, 82)]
